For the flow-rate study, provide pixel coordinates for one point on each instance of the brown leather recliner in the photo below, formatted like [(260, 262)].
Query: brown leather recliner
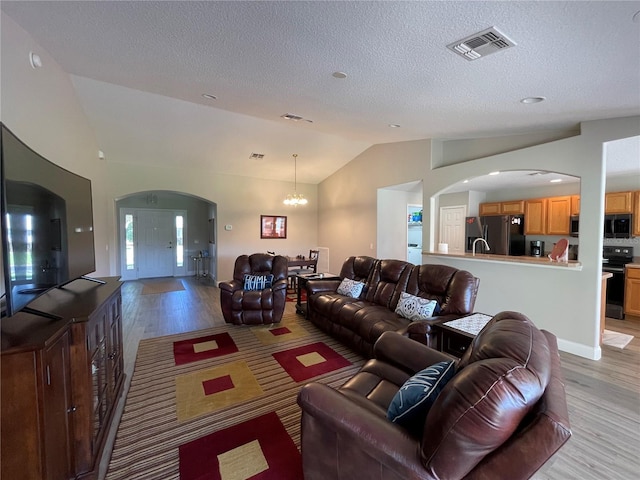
[(255, 307), (501, 416)]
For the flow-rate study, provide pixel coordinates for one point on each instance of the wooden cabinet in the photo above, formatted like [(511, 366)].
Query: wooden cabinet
[(632, 291), (558, 213), (61, 380), (512, 208), (37, 437), (618, 202), (515, 207), (490, 209), (636, 214), (575, 204), (535, 215)]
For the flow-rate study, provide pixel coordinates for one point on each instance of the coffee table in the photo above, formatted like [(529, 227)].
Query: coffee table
[(455, 336)]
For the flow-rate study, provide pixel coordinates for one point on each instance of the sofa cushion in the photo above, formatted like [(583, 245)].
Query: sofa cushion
[(415, 308), (411, 403), (350, 288), (257, 282)]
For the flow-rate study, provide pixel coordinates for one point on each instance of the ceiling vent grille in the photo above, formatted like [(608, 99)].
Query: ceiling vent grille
[(481, 44), (257, 156)]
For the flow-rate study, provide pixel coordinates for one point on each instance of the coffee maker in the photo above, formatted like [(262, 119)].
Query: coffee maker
[(537, 248)]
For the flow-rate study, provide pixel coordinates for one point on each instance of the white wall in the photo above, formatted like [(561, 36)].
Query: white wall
[(392, 217), (40, 107)]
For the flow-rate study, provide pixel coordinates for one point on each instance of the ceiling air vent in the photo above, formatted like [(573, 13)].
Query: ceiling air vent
[(257, 156), (481, 44)]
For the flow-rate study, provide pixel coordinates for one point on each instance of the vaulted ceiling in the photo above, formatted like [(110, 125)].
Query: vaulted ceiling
[(141, 68)]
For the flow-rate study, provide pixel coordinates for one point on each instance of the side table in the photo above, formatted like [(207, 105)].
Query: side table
[(455, 336), (301, 281)]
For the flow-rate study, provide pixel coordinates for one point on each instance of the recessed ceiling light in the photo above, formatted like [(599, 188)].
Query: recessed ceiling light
[(35, 60), (339, 75), (394, 125), (209, 96), (494, 173), (531, 100), (556, 180)]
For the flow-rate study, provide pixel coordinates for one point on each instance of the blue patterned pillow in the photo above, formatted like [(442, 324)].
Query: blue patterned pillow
[(415, 308), (350, 288), (257, 282), (412, 402)]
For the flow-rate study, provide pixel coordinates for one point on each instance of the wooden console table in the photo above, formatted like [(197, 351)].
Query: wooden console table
[(61, 380), (455, 336)]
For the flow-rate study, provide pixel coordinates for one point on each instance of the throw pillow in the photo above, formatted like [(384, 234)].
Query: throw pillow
[(350, 288), (415, 308), (257, 282), (412, 402)]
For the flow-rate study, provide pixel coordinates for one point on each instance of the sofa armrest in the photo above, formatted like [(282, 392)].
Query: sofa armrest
[(322, 286), (405, 353), (230, 286), (372, 443)]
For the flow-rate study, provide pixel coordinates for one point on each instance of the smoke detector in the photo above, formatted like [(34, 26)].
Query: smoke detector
[(481, 44)]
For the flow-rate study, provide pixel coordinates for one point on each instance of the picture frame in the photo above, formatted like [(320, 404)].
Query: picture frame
[(273, 226)]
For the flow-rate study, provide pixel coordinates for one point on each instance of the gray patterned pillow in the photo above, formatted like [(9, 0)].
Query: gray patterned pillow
[(350, 288), (415, 308)]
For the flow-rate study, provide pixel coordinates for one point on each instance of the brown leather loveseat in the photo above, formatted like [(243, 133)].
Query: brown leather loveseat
[(502, 415), (359, 322)]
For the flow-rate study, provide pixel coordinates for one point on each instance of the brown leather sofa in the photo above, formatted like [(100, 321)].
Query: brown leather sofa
[(501, 416), (255, 307), (359, 322)]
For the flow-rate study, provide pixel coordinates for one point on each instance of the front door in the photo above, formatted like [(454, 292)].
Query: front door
[(452, 227), (156, 243)]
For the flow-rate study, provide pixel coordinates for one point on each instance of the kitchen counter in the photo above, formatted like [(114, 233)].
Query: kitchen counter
[(488, 257)]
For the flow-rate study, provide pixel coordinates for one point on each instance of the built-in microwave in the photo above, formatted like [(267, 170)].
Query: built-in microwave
[(574, 225), (617, 226)]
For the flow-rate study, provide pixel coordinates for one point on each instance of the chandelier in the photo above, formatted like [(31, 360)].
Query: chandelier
[(296, 198)]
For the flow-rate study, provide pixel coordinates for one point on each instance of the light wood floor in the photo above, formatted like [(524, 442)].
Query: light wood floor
[(603, 396)]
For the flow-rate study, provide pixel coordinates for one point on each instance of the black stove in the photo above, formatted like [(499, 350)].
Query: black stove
[(614, 260)]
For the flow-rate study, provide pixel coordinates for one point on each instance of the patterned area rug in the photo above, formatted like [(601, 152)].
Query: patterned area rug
[(225, 410), (161, 285)]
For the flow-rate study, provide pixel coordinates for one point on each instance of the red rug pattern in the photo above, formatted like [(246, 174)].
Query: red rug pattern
[(201, 348), (308, 361), (261, 448)]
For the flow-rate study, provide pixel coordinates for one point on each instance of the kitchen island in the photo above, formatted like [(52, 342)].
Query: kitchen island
[(489, 257)]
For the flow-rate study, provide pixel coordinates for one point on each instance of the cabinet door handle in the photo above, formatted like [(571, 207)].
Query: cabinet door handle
[(71, 409), (48, 375), (113, 355)]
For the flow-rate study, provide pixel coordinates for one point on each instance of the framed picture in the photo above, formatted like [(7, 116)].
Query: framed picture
[(273, 226)]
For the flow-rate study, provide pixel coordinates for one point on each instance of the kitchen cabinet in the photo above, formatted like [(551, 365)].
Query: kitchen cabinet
[(558, 213), (632, 291), (535, 215), (515, 207), (636, 214), (512, 208), (37, 412), (575, 204), (618, 202), (61, 380), (493, 208)]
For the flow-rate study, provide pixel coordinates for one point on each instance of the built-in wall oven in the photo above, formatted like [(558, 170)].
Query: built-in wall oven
[(614, 260)]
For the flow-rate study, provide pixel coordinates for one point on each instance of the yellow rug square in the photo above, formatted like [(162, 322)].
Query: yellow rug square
[(205, 346), (242, 462), (193, 401), (313, 358)]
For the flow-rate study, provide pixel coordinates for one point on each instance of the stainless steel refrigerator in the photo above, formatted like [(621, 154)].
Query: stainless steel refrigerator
[(503, 233)]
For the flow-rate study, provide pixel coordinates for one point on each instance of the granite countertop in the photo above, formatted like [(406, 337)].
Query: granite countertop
[(538, 261)]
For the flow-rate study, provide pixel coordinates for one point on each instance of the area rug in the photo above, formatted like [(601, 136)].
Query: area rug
[(292, 295), (164, 285), (173, 410), (616, 339)]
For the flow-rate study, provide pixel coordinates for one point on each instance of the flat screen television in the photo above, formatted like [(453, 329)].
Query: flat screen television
[(47, 224)]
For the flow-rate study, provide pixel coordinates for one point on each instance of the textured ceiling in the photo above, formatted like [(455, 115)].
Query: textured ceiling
[(140, 69)]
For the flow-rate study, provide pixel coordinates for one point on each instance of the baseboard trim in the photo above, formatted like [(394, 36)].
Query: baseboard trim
[(579, 349)]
